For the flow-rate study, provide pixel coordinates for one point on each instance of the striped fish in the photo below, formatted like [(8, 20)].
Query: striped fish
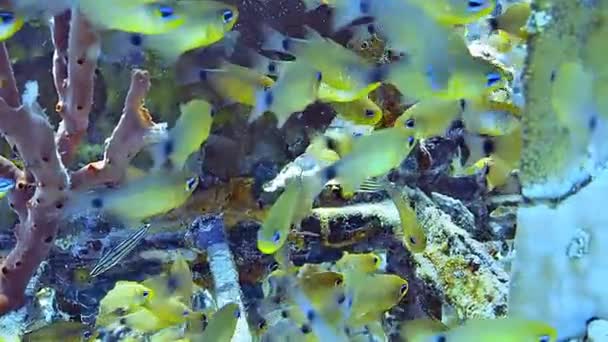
[(118, 253)]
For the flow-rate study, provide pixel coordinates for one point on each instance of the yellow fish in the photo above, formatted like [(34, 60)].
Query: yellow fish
[(190, 131), (500, 330), (344, 11), (329, 93), (362, 111), (143, 319), (457, 12), (236, 83), (137, 16), (485, 117), (430, 118), (369, 302), (221, 325), (265, 65), (177, 282), (346, 76), (502, 155), (321, 286), (125, 297), (66, 331), (167, 334), (207, 23), (359, 262), (331, 146), (275, 228), (411, 232), (437, 61), (10, 23), (156, 194), (289, 209), (371, 156), (513, 19), (420, 330), (295, 89), (312, 4), (277, 41), (345, 73)]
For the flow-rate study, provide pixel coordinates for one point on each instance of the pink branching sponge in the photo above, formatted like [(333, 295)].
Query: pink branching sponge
[(45, 184)]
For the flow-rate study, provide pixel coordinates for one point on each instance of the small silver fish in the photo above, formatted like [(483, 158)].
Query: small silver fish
[(118, 253)]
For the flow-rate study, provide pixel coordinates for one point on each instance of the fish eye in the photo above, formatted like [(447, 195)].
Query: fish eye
[(492, 78), (463, 104), (145, 293), (488, 147), (185, 313), (268, 97), (136, 39), (338, 282), (262, 324), (237, 313), (364, 6), (365, 45), (413, 240), (319, 76), (272, 67), (165, 11), (310, 315), (369, 113), (273, 267), (440, 338), (192, 183), (276, 237), (305, 329), (410, 141), (227, 16), (376, 260), (7, 17), (410, 123), (403, 289), (475, 5), (486, 170)]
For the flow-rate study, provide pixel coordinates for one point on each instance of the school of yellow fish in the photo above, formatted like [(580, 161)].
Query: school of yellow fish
[(440, 82)]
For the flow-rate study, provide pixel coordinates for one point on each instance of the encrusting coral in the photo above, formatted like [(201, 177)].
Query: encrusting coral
[(45, 185)]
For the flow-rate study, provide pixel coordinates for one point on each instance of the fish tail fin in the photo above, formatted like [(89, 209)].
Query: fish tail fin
[(229, 42), (275, 40), (345, 15), (311, 5), (263, 101), (264, 64), (504, 154)]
